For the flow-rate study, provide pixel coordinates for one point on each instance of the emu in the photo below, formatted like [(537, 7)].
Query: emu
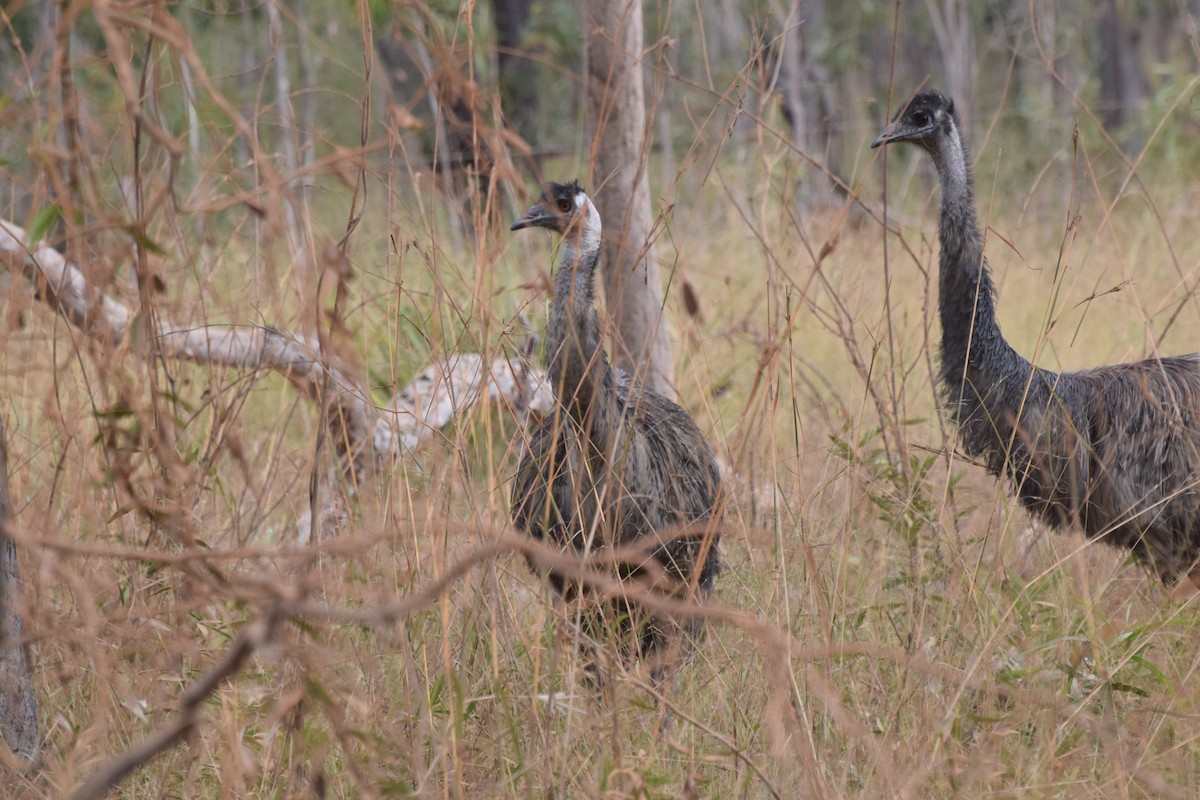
[(1114, 450), (617, 468)]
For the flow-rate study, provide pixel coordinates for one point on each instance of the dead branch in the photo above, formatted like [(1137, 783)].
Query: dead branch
[(444, 389), (440, 392), (783, 655), (252, 637)]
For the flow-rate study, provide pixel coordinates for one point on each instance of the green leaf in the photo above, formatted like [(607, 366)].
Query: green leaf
[(1153, 669), (120, 512), (42, 221), (139, 236), (118, 410)]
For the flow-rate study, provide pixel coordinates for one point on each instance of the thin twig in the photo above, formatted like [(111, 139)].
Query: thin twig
[(252, 637)]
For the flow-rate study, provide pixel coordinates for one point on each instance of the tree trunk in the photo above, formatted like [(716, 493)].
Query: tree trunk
[(620, 151), (517, 72), (246, 82), (311, 60), (801, 79), (791, 77), (1123, 83), (1048, 77), (18, 703), (295, 211), (952, 29)]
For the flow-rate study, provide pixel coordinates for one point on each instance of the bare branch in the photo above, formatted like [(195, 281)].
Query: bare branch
[(440, 392), (252, 637)]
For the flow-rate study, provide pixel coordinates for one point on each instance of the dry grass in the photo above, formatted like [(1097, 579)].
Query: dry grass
[(888, 623), (933, 642)]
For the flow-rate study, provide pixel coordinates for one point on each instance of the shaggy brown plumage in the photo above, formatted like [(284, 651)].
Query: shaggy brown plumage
[(618, 466), (1115, 450)]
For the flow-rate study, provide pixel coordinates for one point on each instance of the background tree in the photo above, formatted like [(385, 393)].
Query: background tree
[(19, 710), (517, 71), (620, 151), (1123, 83), (175, 425)]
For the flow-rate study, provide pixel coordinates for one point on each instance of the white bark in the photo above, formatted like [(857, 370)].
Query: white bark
[(620, 150), (295, 206), (364, 432)]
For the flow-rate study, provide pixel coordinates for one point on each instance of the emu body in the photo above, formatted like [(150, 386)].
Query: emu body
[(617, 467), (1114, 450)]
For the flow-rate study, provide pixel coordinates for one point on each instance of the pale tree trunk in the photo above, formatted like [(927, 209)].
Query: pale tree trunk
[(295, 212), (25, 76), (1042, 80), (311, 62), (1050, 77), (246, 83), (951, 22), (800, 78), (18, 703), (620, 151), (658, 76), (791, 77)]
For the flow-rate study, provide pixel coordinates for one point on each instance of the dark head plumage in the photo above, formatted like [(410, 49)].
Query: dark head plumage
[(560, 205), (921, 120)]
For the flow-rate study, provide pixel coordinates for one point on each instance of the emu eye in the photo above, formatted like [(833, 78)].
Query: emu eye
[(564, 206), (921, 118)]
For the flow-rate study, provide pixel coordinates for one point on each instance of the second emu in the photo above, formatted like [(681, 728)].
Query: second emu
[(1113, 450), (618, 469)]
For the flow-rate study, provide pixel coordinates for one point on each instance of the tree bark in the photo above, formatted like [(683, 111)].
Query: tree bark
[(800, 80), (18, 703), (295, 206), (620, 152), (791, 77), (1123, 83), (362, 433), (1049, 77), (951, 22), (517, 72)]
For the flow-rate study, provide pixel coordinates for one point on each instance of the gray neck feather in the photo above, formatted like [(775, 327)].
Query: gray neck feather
[(965, 284), (576, 360), (950, 158), (974, 354)]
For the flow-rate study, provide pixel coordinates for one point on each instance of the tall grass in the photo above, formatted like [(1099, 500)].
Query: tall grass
[(888, 623)]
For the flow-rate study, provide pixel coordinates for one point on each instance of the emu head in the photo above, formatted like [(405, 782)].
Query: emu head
[(922, 120), (563, 207)]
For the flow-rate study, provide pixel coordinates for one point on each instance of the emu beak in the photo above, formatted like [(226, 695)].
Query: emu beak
[(534, 217), (903, 131), (889, 133)]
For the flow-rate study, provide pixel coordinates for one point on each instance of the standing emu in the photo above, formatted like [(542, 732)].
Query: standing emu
[(616, 467), (1115, 450)]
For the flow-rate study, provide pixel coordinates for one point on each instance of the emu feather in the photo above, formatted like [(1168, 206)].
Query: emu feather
[(615, 467), (1114, 450)]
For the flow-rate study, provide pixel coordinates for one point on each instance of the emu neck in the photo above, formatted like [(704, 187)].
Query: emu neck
[(574, 355), (971, 338)]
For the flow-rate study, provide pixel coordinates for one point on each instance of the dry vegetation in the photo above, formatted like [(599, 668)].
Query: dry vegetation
[(888, 623)]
